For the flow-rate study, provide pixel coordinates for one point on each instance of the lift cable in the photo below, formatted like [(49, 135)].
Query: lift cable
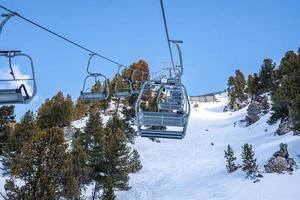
[(167, 32), (61, 37)]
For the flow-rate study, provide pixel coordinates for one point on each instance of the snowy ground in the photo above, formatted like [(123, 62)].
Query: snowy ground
[(193, 168)]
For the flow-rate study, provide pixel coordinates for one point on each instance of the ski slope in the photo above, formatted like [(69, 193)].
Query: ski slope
[(194, 168)]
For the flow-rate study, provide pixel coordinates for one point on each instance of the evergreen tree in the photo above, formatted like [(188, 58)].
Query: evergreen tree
[(240, 85), (71, 183), (249, 162), (285, 95), (108, 191), (231, 92), (80, 160), (230, 158), (252, 85), (93, 143), (40, 165), (80, 109), (22, 133), (297, 113), (266, 76), (57, 112), (135, 163), (237, 91), (265, 104), (117, 156), (7, 116)]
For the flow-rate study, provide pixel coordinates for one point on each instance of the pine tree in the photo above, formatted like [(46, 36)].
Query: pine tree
[(285, 95), (135, 163), (230, 158), (80, 109), (40, 165), (237, 91), (93, 142), (22, 133), (57, 112), (240, 85), (71, 183), (252, 85), (249, 162), (108, 191), (297, 113), (80, 160), (265, 104), (231, 92), (7, 117), (266, 76), (117, 157)]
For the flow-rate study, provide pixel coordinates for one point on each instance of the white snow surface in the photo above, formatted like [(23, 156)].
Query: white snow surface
[(193, 168)]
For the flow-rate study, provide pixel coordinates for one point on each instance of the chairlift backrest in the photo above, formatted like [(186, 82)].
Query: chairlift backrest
[(19, 94), (88, 94), (123, 86)]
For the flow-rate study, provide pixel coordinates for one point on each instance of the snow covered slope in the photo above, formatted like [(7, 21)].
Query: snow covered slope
[(193, 168)]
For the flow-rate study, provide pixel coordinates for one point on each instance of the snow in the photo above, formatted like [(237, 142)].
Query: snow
[(194, 169)]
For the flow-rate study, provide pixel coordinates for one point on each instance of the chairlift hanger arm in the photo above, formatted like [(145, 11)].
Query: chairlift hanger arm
[(6, 18), (167, 31), (60, 36)]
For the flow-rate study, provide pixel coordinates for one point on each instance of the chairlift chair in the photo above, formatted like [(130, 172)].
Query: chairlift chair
[(137, 84), (123, 86), (171, 119), (19, 95), (87, 93), (173, 98)]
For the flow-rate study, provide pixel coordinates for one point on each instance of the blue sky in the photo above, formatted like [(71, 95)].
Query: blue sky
[(219, 36)]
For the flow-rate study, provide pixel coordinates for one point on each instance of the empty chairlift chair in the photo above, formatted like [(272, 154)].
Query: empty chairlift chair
[(170, 98), (148, 122), (22, 94), (95, 92), (123, 86), (136, 81), (99, 89)]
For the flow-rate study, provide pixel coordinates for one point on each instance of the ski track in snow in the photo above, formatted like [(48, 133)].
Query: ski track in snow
[(194, 169)]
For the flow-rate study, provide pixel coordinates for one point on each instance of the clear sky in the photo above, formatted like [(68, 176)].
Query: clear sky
[(219, 36)]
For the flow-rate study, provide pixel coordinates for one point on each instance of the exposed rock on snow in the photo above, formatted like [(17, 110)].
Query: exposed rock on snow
[(285, 126), (258, 106), (280, 161), (253, 112)]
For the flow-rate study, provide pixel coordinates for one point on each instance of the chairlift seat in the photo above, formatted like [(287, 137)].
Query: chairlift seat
[(167, 106), (93, 96), (162, 119), (137, 91), (11, 96), (154, 133), (123, 93)]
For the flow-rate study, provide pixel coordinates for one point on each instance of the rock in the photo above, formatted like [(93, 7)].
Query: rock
[(255, 109), (296, 132), (260, 176), (253, 112), (285, 126), (280, 161), (283, 152)]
